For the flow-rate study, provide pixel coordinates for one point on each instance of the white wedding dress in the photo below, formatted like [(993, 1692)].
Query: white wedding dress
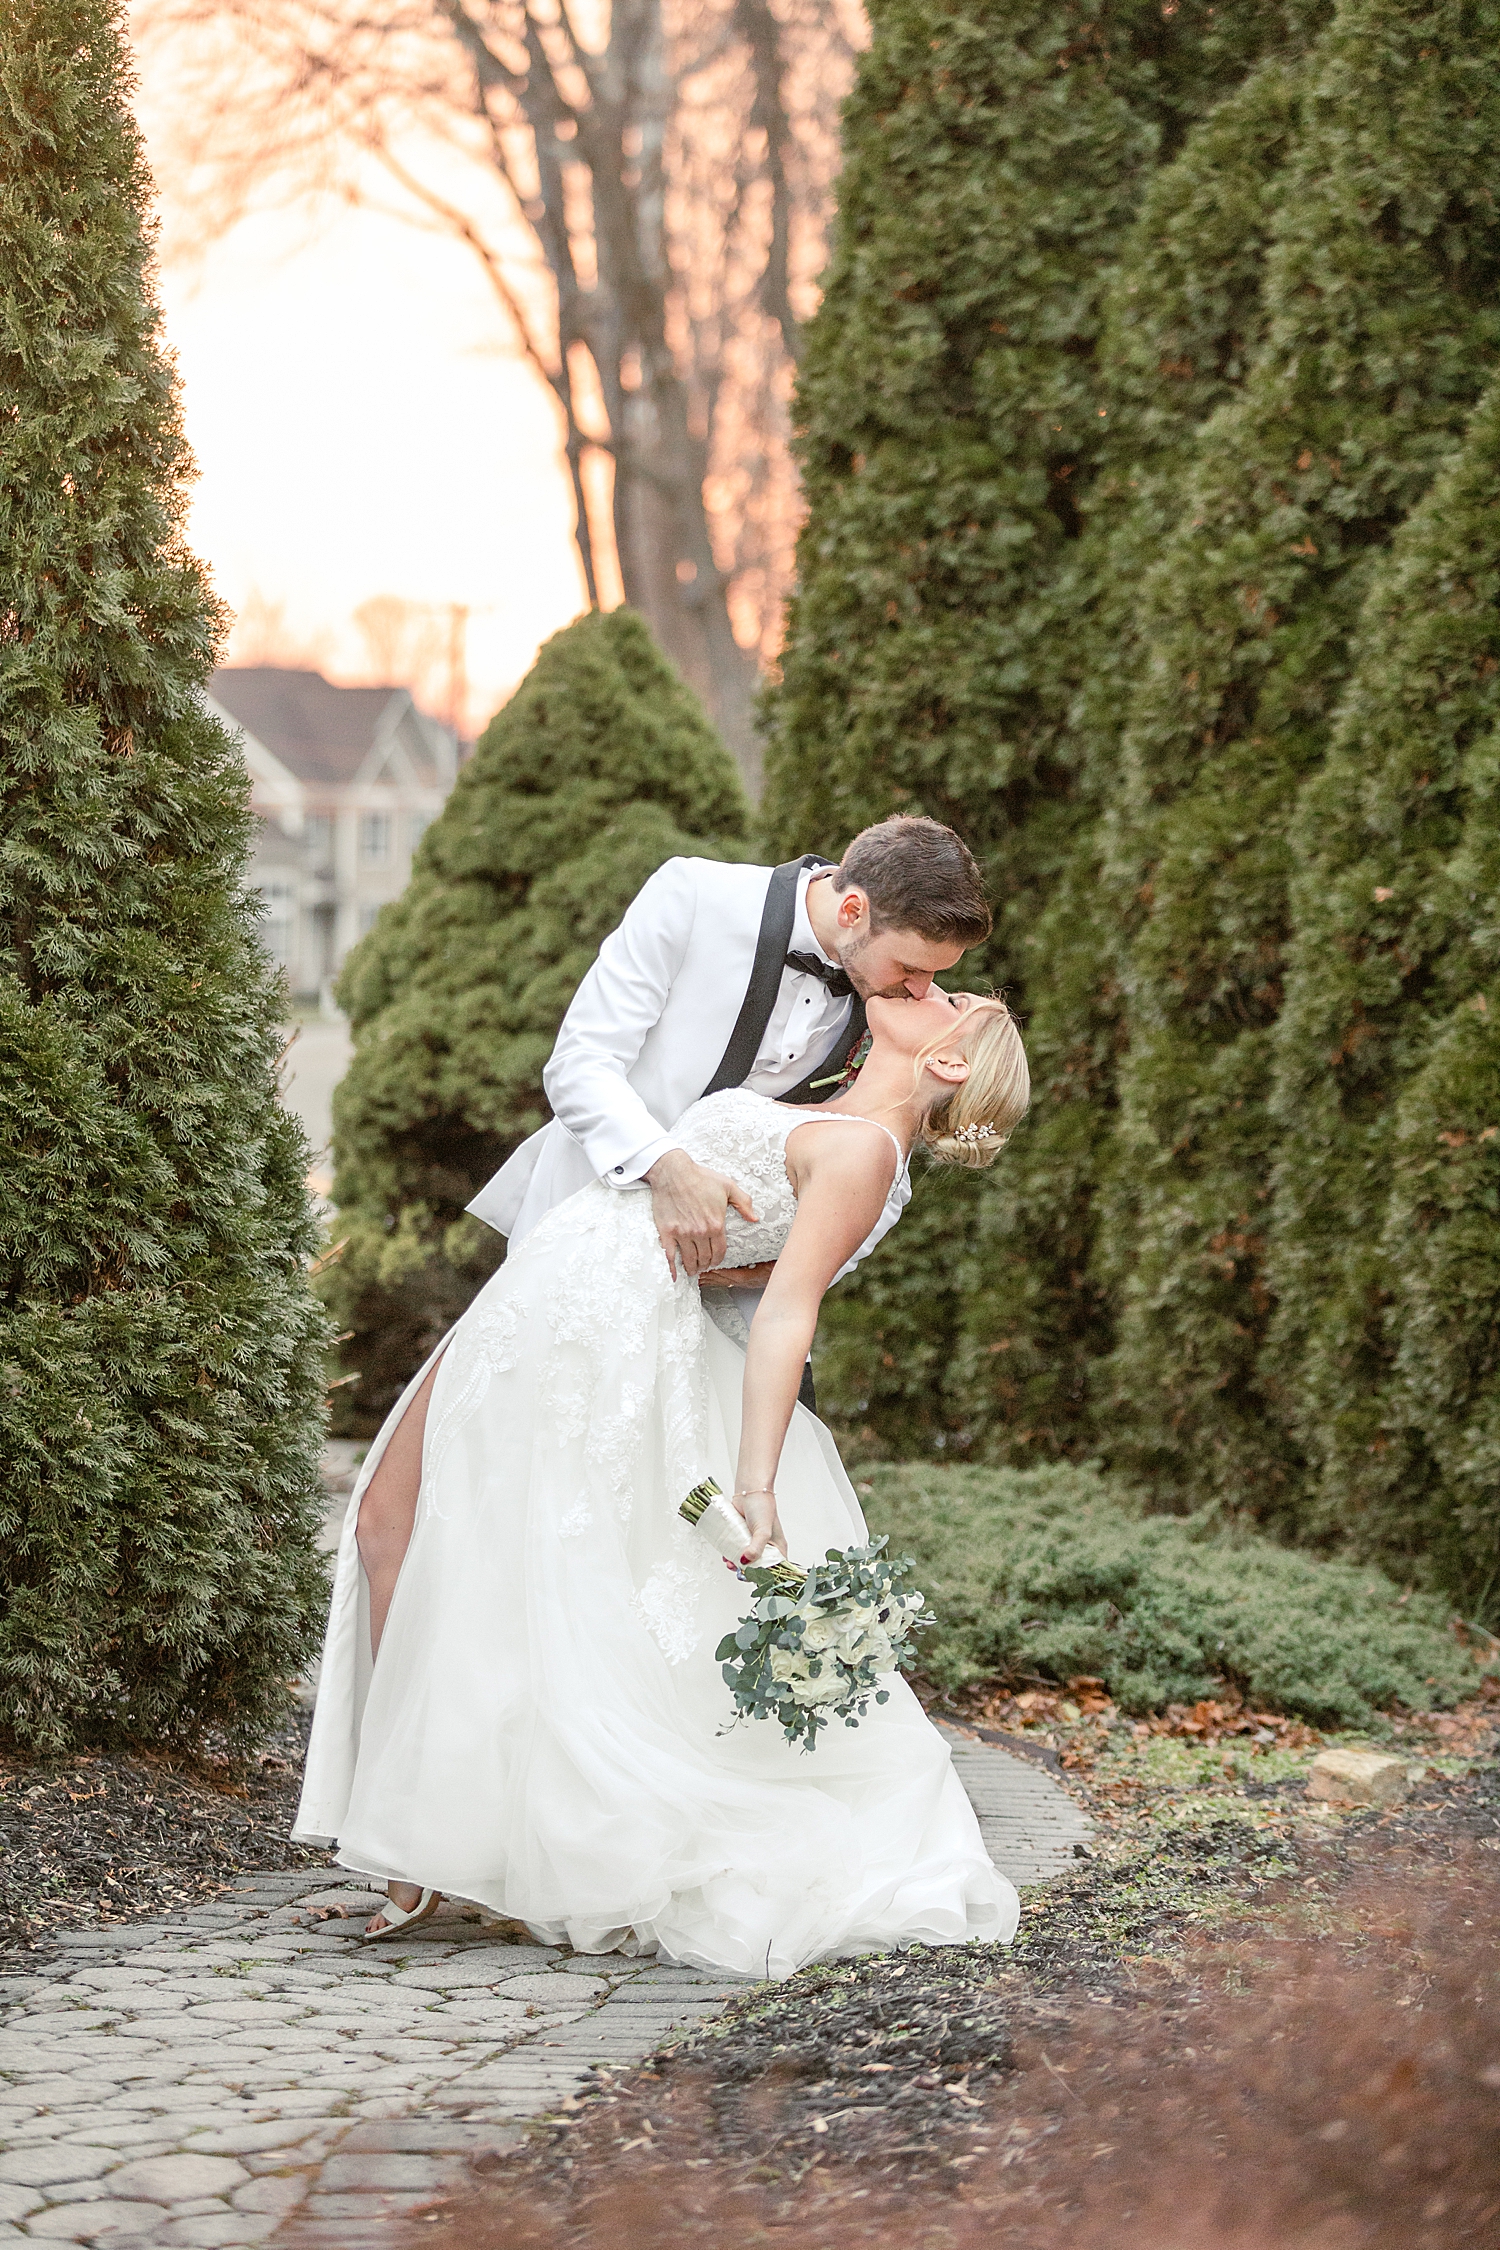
[(545, 1731)]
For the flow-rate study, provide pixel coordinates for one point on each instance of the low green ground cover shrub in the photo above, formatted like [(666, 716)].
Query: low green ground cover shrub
[(1057, 1571)]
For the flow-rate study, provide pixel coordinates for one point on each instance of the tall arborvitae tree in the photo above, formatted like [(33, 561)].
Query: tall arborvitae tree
[(1383, 317), (1181, 320), (1385, 1254), (601, 766), (949, 407), (953, 428), (160, 1352), (1442, 1250)]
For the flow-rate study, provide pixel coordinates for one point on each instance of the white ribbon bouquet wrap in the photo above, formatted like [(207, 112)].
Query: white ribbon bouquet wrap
[(817, 1642)]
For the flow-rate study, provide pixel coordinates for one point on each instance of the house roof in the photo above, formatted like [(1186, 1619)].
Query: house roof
[(322, 733)]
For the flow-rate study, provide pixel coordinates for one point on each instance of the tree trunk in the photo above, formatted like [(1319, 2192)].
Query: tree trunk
[(673, 182), (668, 570)]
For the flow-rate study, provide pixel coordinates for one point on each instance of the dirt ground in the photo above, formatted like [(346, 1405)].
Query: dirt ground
[(1246, 2024), (105, 1837)]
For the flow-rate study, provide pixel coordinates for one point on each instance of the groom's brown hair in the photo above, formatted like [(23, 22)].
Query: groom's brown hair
[(917, 875)]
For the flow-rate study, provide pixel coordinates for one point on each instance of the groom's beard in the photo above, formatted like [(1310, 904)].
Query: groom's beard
[(849, 958)]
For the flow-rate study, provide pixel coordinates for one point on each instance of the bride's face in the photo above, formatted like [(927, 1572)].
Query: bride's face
[(905, 1026)]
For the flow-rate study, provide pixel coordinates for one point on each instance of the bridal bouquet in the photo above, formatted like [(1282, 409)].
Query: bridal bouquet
[(817, 1641)]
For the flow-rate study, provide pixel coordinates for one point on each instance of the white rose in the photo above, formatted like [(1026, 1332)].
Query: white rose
[(790, 1670), (873, 1647)]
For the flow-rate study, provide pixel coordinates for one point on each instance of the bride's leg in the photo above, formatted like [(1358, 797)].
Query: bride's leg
[(389, 1507), (386, 1515)]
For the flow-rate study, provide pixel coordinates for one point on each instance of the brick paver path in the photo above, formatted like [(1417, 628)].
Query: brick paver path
[(1032, 1830), (194, 2081), (247, 2067)]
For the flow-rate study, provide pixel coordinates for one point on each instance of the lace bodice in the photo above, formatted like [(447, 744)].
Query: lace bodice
[(745, 1135)]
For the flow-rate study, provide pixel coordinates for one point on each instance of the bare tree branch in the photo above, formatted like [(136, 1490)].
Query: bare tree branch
[(762, 34), (557, 376), (646, 193)]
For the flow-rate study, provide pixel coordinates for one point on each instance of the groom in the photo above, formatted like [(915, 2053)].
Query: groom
[(722, 975)]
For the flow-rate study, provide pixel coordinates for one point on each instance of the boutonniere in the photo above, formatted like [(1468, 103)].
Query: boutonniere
[(849, 1073)]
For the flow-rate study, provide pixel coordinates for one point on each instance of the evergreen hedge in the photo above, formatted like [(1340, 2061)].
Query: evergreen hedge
[(599, 768), (1385, 1249), (953, 429), (1382, 321), (160, 1351), (1181, 319), (1056, 1572), (1144, 337), (949, 409)]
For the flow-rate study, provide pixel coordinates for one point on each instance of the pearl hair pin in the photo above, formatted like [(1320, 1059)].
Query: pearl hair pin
[(968, 1135)]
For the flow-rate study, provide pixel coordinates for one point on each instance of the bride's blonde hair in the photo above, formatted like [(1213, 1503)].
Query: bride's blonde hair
[(975, 1122)]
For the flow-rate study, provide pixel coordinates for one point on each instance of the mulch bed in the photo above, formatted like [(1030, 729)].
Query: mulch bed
[(107, 1837), (1235, 2037)]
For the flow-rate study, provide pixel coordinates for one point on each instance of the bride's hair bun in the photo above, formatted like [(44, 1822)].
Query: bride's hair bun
[(975, 1122)]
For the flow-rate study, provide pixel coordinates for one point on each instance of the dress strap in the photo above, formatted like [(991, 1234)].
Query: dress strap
[(846, 1117)]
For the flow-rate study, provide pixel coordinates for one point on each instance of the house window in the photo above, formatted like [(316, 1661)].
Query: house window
[(318, 838), (417, 825), (279, 913), (375, 838), (367, 915)]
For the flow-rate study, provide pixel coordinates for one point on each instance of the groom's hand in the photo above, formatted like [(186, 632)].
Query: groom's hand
[(736, 1277), (688, 1203)]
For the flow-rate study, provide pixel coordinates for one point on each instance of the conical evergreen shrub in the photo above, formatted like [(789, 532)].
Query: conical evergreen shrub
[(161, 1373), (599, 768), (1385, 1244), (1383, 319), (1182, 317), (952, 431)]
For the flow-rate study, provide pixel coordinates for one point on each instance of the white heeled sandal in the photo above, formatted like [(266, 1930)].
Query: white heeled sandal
[(402, 1917)]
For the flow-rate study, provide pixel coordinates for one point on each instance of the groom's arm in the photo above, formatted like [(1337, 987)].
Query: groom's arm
[(618, 1003)]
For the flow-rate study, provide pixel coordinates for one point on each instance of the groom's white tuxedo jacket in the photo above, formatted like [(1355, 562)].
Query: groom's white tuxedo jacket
[(647, 1031)]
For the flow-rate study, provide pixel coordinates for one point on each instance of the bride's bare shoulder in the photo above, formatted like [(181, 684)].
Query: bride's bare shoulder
[(842, 1147)]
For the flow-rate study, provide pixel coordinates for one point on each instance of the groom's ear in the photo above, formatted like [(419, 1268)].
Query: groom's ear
[(853, 905)]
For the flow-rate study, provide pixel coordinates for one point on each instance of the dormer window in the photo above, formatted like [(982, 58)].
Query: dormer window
[(374, 838)]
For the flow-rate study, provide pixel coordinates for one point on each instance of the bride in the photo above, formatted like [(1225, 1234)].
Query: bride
[(520, 1704)]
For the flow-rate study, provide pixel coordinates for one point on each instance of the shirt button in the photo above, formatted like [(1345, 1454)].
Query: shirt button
[(619, 1168)]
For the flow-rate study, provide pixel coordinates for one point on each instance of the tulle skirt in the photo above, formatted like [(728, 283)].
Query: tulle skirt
[(546, 1731)]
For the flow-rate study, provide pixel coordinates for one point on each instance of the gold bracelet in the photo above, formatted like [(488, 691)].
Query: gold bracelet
[(756, 1492)]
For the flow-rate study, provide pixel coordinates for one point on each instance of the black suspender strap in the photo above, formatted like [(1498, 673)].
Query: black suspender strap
[(765, 976)]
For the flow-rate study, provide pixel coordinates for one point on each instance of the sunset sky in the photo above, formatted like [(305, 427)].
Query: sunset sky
[(363, 429)]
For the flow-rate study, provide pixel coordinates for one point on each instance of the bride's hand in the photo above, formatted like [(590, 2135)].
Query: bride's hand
[(759, 1512)]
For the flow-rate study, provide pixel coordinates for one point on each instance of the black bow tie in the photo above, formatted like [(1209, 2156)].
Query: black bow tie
[(810, 966)]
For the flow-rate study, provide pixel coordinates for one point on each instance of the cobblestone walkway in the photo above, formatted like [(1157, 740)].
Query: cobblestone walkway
[(195, 2081), (247, 2067), (1032, 1829)]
